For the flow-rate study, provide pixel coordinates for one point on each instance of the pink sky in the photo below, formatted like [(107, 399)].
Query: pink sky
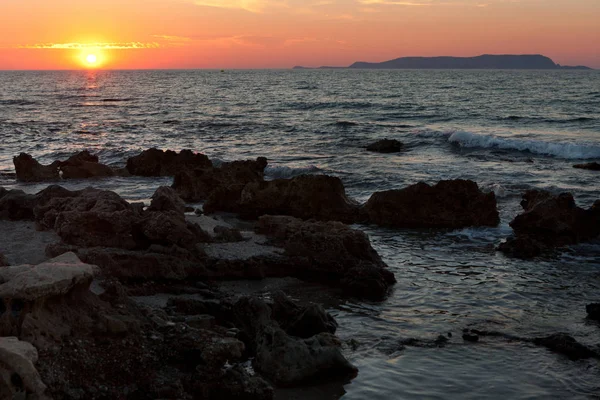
[(59, 34)]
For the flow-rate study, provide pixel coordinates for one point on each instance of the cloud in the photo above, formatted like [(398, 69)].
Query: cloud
[(98, 45), (394, 3)]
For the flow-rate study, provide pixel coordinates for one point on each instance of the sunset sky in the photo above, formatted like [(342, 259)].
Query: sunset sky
[(60, 34)]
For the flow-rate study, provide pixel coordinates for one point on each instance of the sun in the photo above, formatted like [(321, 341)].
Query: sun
[(91, 59)]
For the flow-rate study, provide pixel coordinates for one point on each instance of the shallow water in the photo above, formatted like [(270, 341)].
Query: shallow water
[(507, 130)]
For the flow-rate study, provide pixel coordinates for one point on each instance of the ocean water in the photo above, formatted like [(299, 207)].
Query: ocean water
[(508, 130)]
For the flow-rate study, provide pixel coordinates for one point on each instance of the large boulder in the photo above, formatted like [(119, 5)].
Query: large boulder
[(550, 221), (301, 321), (593, 311), (386, 146), (287, 360), (330, 252), (198, 184), (448, 204), (79, 166), (154, 162), (166, 199), (17, 369), (307, 196)]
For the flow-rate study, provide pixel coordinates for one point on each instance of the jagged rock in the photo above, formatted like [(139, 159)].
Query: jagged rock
[(550, 221), (307, 196), (330, 252), (565, 344), (29, 169), (17, 370), (198, 184), (16, 205), (448, 204), (154, 162), (166, 199), (593, 166), (79, 166), (386, 146), (299, 321), (287, 360), (593, 311)]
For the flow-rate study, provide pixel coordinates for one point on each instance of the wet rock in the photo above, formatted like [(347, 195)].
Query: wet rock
[(550, 221), (330, 252), (593, 311), (29, 169), (386, 146), (198, 184), (79, 166), (300, 321), (154, 162), (593, 166), (16, 205), (566, 345), (287, 360), (448, 204), (3, 262), (17, 371), (235, 384), (470, 337)]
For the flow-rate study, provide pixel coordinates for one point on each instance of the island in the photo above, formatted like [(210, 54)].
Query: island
[(486, 61)]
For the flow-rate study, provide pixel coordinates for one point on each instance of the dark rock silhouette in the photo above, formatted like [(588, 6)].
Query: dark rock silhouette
[(386, 146), (593, 311), (154, 162), (593, 166), (448, 204), (550, 221)]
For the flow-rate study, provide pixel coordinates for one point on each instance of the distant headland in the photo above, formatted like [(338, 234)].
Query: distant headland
[(486, 61)]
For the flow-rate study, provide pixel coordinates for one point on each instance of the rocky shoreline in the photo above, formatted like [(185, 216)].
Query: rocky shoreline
[(127, 302)]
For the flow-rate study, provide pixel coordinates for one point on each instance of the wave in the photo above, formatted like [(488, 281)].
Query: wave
[(564, 150), (345, 123), (280, 171)]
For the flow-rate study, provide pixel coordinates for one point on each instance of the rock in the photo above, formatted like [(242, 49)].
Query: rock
[(386, 146), (3, 262), (565, 344), (17, 371), (154, 162), (469, 337), (307, 196), (221, 350), (166, 199), (79, 166), (16, 205), (55, 277), (593, 311), (287, 360), (237, 384), (29, 169), (227, 235), (448, 204), (550, 221), (329, 252), (593, 166), (198, 184), (299, 321)]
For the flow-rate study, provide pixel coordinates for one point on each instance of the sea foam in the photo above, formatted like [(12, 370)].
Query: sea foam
[(566, 150)]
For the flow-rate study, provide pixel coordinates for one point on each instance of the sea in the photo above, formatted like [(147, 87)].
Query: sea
[(509, 131)]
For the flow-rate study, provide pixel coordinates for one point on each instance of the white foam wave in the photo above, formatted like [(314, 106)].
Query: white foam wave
[(281, 171), (566, 150)]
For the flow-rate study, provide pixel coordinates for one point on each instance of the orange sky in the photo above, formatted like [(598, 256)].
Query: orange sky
[(130, 34)]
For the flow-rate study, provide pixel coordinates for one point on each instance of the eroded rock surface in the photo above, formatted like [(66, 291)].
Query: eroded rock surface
[(154, 162), (386, 146), (17, 369), (79, 166)]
